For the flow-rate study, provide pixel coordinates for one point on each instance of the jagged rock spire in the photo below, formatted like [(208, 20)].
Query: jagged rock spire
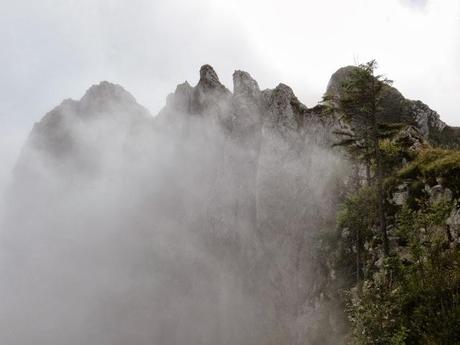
[(244, 84), (105, 92), (209, 95), (334, 86), (285, 109), (208, 77), (181, 98), (398, 109)]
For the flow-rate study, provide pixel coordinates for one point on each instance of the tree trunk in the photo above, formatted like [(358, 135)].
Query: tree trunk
[(379, 173), (381, 202), (368, 160)]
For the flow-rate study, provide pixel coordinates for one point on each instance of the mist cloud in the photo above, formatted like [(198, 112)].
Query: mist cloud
[(56, 49), (139, 203), (194, 227)]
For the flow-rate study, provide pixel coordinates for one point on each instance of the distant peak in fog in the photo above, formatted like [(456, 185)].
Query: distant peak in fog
[(211, 97), (208, 77), (106, 94), (192, 227), (244, 84)]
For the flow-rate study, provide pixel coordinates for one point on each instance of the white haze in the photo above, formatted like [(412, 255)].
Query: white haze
[(171, 231), (74, 247), (54, 49)]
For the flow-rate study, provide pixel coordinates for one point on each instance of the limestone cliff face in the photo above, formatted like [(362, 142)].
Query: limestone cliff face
[(236, 175), (75, 132), (77, 138), (274, 166), (397, 108), (248, 112), (227, 190)]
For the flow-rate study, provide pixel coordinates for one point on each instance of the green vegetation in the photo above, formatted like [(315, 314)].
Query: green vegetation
[(405, 291), (361, 105), (414, 297), (435, 164)]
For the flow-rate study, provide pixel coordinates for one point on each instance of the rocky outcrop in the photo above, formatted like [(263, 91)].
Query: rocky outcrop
[(225, 170), (248, 108), (439, 193), (209, 96), (427, 120), (227, 190), (106, 103), (453, 223), (397, 109), (400, 194)]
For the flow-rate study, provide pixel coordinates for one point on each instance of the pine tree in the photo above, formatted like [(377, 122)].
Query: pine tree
[(359, 102)]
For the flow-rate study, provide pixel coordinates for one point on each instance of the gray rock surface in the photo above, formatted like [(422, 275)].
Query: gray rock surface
[(400, 195), (396, 108), (453, 223), (211, 209), (439, 193)]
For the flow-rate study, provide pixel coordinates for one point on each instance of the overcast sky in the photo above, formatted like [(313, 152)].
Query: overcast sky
[(56, 49)]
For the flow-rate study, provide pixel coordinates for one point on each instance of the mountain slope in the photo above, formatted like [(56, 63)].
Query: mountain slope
[(398, 109), (199, 225)]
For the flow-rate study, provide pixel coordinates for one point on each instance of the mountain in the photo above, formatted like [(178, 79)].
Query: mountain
[(396, 294), (247, 108), (398, 109), (199, 225)]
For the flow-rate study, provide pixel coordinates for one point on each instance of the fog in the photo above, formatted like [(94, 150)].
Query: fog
[(54, 49), (196, 226)]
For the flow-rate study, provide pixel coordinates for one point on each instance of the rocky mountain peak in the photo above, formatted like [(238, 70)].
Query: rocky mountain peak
[(334, 85), (209, 94), (279, 99), (285, 109), (283, 92), (104, 92), (184, 85), (244, 84), (244, 156), (59, 132), (181, 98), (208, 77), (396, 108)]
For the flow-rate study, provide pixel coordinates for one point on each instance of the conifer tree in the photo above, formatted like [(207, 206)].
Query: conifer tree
[(359, 102)]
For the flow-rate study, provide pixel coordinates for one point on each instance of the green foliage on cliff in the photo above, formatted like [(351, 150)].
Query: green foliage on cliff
[(432, 164), (402, 288), (411, 296), (414, 298), (405, 291), (356, 220)]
